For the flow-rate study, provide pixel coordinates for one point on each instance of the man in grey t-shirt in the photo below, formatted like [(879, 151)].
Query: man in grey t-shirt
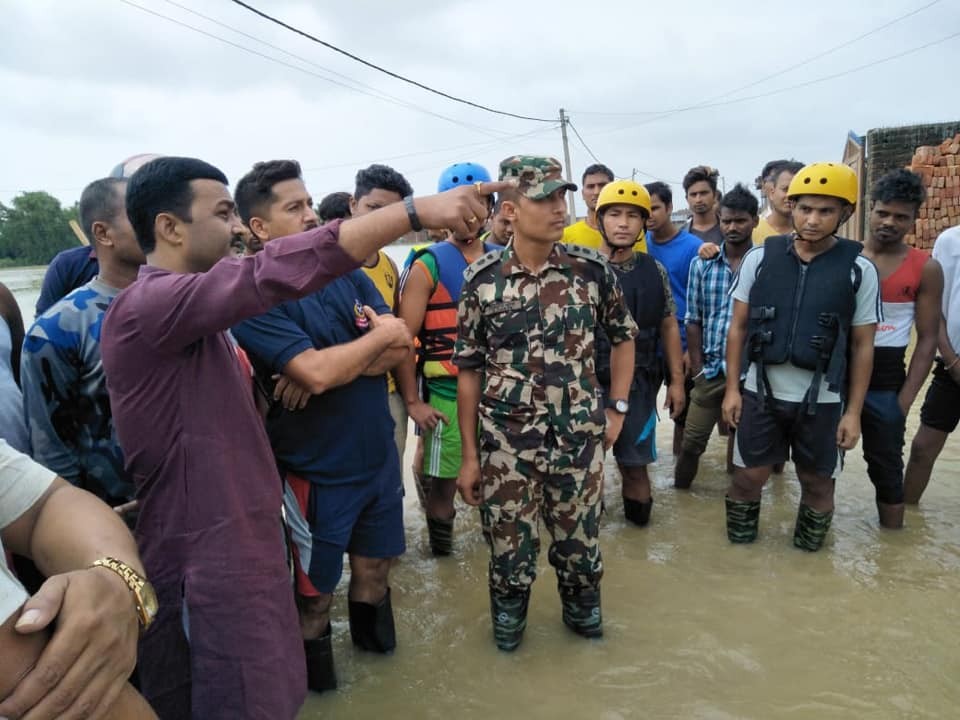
[(803, 304)]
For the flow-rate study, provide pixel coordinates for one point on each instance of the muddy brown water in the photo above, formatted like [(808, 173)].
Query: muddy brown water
[(694, 627)]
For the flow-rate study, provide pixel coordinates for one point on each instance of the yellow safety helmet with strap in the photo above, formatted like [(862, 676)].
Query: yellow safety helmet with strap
[(624, 192), (825, 178)]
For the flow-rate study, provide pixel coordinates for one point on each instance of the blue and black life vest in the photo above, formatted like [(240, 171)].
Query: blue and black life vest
[(801, 313)]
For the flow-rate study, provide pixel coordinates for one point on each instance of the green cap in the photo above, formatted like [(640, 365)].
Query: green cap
[(537, 176)]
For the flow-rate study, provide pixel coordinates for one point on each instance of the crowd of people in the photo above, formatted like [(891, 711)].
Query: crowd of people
[(211, 408)]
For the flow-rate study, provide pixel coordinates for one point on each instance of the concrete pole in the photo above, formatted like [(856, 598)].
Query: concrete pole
[(569, 169)]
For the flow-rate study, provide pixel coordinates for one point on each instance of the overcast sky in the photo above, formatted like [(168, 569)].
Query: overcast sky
[(87, 83)]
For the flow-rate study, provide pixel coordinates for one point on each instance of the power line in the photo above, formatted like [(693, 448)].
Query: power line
[(582, 142), (782, 71), (596, 159), (779, 91), (392, 74), (378, 93), (378, 96), (417, 153)]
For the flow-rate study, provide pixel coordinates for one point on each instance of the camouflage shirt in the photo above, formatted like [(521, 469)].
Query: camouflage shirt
[(65, 394), (532, 336)]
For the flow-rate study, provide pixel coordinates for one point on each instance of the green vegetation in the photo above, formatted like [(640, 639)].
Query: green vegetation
[(34, 228)]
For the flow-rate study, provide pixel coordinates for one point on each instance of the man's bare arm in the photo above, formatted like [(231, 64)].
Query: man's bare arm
[(927, 323), (93, 647)]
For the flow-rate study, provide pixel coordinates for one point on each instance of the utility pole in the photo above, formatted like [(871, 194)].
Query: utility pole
[(633, 174), (566, 160)]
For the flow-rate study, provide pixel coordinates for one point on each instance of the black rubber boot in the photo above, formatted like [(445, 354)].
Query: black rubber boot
[(509, 615), (581, 612), (743, 520), (371, 626), (321, 674), (440, 533), (811, 529), (637, 512)]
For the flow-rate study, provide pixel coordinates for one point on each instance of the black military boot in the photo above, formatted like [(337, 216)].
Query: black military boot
[(637, 512), (743, 520), (581, 612), (371, 626), (811, 529), (509, 614), (440, 533), (321, 674)]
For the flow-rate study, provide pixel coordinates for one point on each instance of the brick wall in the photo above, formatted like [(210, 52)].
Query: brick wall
[(928, 150)]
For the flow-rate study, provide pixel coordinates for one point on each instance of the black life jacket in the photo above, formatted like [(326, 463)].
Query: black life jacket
[(642, 287), (802, 312)]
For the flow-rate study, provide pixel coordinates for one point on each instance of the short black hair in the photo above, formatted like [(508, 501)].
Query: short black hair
[(101, 201), (254, 192), (661, 190), (701, 173), (900, 186), (741, 200), (334, 206), (773, 169), (597, 169), (380, 177), (163, 186)]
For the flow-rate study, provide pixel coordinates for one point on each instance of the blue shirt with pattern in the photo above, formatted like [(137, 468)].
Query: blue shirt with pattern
[(65, 396), (709, 305)]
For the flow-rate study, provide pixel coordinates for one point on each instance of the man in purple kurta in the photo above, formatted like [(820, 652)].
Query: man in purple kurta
[(226, 643)]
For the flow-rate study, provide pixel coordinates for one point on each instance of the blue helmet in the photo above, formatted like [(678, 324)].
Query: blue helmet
[(462, 174)]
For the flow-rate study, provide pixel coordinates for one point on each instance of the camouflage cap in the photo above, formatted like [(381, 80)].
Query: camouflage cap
[(537, 176)]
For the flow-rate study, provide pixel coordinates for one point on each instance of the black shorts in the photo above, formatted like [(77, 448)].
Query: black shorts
[(941, 406), (765, 436)]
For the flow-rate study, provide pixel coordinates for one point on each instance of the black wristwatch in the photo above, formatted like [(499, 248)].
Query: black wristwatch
[(620, 406)]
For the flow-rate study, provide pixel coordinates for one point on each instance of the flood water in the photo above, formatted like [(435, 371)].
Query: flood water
[(694, 627)]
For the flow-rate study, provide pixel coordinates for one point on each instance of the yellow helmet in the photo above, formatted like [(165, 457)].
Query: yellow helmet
[(624, 192), (825, 178)]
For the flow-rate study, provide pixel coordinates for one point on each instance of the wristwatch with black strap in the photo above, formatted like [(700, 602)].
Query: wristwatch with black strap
[(620, 406), (144, 596)]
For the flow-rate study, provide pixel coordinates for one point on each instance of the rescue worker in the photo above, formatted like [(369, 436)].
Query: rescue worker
[(429, 293), (806, 307), (622, 211)]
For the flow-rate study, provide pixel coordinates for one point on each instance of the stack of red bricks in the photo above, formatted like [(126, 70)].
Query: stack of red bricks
[(939, 165)]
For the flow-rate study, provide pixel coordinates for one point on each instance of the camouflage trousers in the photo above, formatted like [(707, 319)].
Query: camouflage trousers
[(562, 490)]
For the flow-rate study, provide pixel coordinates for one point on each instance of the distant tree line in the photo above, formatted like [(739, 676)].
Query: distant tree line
[(34, 228)]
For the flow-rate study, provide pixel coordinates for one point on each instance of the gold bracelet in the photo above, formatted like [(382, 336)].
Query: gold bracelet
[(950, 366)]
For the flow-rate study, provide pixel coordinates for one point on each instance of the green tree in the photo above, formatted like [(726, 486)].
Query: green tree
[(34, 228)]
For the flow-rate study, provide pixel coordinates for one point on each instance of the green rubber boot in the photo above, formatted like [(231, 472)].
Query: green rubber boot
[(743, 520), (581, 612), (509, 614), (811, 529)]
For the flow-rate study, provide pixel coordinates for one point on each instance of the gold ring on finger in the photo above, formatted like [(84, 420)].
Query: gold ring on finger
[(477, 185), (472, 220)]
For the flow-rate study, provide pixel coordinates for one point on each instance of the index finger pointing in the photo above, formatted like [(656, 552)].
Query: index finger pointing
[(489, 188)]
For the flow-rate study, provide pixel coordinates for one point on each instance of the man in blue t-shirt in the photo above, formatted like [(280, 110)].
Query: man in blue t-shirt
[(675, 249), (334, 441)]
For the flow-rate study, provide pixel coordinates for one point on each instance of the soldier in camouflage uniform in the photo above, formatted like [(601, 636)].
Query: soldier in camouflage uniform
[(532, 420)]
